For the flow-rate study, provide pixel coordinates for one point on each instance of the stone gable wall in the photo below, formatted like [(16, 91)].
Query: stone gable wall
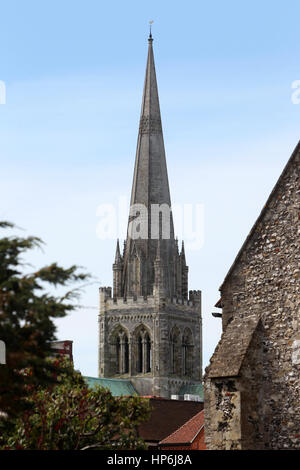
[(265, 282)]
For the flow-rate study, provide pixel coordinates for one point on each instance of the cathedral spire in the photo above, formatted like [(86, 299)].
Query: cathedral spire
[(140, 326), (150, 181), (150, 205)]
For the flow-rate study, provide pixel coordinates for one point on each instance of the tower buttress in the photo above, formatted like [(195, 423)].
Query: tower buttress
[(159, 290)]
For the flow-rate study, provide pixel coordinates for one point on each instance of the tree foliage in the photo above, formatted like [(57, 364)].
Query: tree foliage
[(69, 416), (44, 403), (27, 313)]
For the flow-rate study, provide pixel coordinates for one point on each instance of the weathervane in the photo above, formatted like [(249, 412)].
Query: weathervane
[(150, 23)]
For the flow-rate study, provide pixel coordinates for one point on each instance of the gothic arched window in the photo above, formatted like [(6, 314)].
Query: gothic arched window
[(143, 351), (126, 355), (148, 353), (140, 354), (187, 352), (118, 355), (175, 355), (121, 346)]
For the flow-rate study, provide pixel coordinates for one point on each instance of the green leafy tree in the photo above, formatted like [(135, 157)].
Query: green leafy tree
[(44, 403), (27, 313), (69, 416)]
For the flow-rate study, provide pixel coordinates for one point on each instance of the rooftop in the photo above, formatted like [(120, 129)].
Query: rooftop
[(166, 417), (118, 387), (229, 354), (187, 432)]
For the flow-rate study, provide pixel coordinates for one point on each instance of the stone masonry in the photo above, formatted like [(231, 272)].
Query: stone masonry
[(131, 315), (252, 385)]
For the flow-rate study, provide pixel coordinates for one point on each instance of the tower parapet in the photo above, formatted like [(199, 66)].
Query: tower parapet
[(195, 296), (104, 294)]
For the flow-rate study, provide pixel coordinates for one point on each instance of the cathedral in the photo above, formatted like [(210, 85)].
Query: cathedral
[(150, 327)]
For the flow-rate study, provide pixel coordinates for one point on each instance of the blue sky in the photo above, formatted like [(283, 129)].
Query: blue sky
[(74, 74)]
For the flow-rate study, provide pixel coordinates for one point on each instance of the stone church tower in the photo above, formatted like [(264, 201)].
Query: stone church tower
[(150, 329)]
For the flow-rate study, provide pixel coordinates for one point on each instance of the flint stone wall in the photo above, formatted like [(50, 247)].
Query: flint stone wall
[(263, 283)]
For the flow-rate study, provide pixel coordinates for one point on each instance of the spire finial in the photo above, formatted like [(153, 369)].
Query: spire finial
[(150, 33), (118, 254)]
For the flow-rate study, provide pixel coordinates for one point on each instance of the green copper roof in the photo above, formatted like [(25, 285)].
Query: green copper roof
[(118, 387), (194, 389)]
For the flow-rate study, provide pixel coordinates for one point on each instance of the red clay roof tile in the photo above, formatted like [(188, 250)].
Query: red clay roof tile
[(187, 432)]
